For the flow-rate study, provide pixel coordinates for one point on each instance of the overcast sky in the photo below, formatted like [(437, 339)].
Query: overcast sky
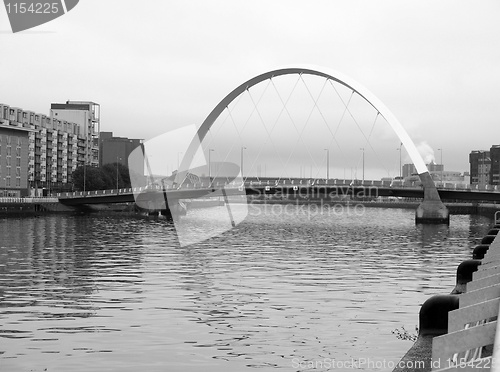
[(157, 65)]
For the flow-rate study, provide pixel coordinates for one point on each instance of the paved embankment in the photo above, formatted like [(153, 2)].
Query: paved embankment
[(16, 206), (461, 325)]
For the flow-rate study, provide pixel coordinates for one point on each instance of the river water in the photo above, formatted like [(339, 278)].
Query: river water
[(281, 291)]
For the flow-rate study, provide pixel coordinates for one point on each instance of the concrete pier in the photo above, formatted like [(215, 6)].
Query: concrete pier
[(432, 209)]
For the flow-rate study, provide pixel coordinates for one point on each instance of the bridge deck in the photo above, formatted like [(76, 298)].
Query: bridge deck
[(289, 186)]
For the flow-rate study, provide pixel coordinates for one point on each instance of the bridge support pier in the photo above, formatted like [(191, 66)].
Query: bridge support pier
[(432, 209)]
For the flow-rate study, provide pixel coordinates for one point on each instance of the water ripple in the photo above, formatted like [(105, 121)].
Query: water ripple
[(119, 293)]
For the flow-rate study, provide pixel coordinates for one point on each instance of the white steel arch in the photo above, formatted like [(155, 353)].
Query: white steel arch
[(310, 70)]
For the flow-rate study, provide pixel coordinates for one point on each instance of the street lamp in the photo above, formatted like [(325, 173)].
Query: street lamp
[(441, 150), (483, 172), (363, 149), (117, 172), (327, 164), (209, 165), (241, 161), (400, 166)]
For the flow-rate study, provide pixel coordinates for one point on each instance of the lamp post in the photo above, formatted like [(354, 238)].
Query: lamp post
[(327, 164), (441, 150), (117, 163), (241, 160), (400, 166), (209, 166), (363, 149), (85, 167), (47, 182), (483, 171)]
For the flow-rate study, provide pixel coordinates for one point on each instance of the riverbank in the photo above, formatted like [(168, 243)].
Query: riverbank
[(435, 318), (17, 209)]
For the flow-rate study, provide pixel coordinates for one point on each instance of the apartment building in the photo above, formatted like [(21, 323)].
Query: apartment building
[(480, 167), (48, 148), (13, 161), (495, 165), (87, 116)]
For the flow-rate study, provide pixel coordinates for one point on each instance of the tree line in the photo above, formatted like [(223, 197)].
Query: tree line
[(109, 176)]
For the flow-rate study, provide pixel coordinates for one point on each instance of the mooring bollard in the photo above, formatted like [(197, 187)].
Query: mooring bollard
[(433, 321), (433, 316), (479, 251), (464, 275), (493, 231), (488, 239)]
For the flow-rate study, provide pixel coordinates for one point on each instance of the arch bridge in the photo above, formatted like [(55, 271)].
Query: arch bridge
[(431, 210)]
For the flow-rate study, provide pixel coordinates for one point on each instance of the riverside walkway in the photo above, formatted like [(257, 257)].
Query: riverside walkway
[(15, 205), (472, 342), (458, 332), (28, 200)]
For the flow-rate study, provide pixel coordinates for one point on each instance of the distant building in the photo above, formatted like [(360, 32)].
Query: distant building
[(408, 170), (467, 178), (495, 165), (39, 151), (118, 149), (437, 173), (480, 167), (433, 167), (87, 116), (14, 157)]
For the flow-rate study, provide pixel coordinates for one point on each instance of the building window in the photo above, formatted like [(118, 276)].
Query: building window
[(18, 162), (7, 180), (18, 181)]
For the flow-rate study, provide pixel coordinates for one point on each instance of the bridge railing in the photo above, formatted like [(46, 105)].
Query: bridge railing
[(28, 200), (76, 194), (205, 184)]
